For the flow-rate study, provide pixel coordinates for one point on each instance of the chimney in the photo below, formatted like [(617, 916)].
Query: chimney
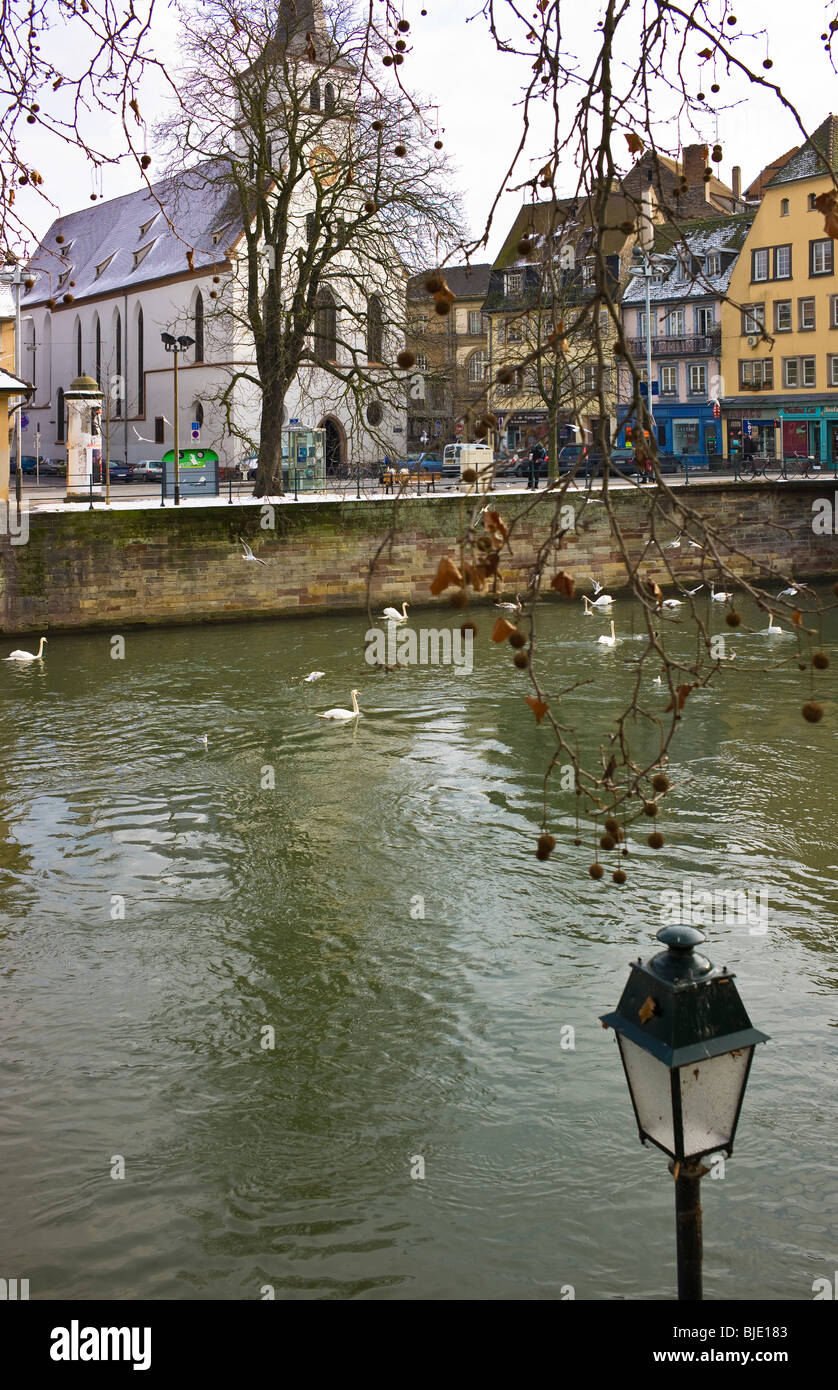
[(694, 162), (736, 182)]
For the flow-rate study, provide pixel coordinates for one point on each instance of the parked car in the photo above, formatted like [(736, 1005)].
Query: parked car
[(53, 468), (27, 464), (147, 471), (119, 472)]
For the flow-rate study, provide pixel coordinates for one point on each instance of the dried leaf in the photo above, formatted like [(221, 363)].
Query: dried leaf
[(501, 630), (475, 577), (494, 525), (634, 142), (705, 53), (190, 259), (135, 107), (827, 203), (797, 617), (447, 574), (563, 584), (647, 1009), (537, 706), (682, 693)]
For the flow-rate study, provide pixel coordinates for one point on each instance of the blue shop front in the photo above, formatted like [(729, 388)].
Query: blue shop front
[(687, 429)]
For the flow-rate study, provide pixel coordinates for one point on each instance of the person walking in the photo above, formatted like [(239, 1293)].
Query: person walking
[(536, 455)]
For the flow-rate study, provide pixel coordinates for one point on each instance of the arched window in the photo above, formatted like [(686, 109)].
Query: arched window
[(59, 415), (98, 353), (329, 98), (314, 96), (375, 329), (78, 348), (118, 339), (478, 366), (140, 364), (198, 413), (199, 327), (325, 327)]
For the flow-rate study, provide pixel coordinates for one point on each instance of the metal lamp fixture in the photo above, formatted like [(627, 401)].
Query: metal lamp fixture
[(686, 1044), (176, 345)]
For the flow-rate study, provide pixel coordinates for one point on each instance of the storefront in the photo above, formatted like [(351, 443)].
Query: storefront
[(686, 430), (783, 429)]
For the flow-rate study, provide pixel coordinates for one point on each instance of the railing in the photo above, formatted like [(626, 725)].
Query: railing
[(701, 344)]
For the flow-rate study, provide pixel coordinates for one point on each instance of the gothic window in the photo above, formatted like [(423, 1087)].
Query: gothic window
[(78, 350), (314, 96), (59, 416), (140, 365), (375, 329), (329, 95), (199, 327), (325, 327)]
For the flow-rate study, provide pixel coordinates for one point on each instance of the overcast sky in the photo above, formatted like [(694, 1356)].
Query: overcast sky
[(455, 63)]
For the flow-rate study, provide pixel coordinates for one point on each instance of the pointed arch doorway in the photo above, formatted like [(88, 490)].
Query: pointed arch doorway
[(335, 444)]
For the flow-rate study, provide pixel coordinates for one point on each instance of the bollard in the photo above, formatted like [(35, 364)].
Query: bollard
[(296, 482), (230, 486)]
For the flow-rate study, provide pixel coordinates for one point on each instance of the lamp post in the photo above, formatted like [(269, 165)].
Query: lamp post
[(13, 275), (686, 1045), (176, 346)]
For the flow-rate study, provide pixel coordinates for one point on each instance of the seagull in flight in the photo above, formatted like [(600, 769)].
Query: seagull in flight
[(247, 554), (791, 592), (313, 676), (141, 437)]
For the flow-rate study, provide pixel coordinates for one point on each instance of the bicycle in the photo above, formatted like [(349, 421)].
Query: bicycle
[(760, 466), (802, 467)]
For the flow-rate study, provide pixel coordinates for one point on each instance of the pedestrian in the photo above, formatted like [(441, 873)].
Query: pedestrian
[(536, 456)]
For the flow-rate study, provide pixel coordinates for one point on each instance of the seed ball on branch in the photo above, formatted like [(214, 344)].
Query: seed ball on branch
[(714, 87), (398, 59), (650, 808), (607, 842), (517, 638), (378, 125), (145, 161), (767, 63), (468, 475), (660, 782), (619, 876), (717, 154), (67, 298), (30, 120), (545, 846), (731, 19), (525, 246), (655, 840), (699, 96), (400, 150), (405, 359), (437, 144), (60, 238), (521, 660), (442, 307), (812, 712), (820, 661), (469, 627), (370, 206), (387, 60), (577, 842), (801, 666), (596, 871), (611, 826), (400, 45), (733, 619), (403, 25), (434, 284)]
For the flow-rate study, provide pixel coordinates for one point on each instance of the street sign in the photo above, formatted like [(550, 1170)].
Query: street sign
[(24, 422), (458, 428), (196, 430)]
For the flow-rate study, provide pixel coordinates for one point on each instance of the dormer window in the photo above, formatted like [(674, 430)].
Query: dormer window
[(103, 265), (714, 263), (144, 228), (514, 282), (215, 238), (139, 256)]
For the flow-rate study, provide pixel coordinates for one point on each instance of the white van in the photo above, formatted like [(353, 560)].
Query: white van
[(458, 458)]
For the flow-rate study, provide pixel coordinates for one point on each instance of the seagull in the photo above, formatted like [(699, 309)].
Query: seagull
[(247, 554), (204, 740), (141, 437), (394, 616), (716, 594), (690, 592), (597, 586), (515, 607), (19, 655), (676, 544), (791, 592), (313, 676)]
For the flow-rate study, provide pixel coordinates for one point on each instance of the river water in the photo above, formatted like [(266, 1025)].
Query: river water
[(380, 909)]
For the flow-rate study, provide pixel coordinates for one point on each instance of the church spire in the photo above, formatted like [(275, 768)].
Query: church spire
[(297, 18)]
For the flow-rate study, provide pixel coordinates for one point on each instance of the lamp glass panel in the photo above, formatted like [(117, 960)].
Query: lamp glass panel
[(710, 1092), (651, 1089)]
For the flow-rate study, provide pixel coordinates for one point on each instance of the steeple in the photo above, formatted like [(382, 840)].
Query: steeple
[(297, 18)]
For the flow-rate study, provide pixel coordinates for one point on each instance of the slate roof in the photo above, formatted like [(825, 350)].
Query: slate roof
[(14, 385), (101, 241), (763, 179), (701, 236), (819, 154), (464, 281)]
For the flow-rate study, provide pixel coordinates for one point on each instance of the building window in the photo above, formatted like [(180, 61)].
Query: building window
[(757, 371), (118, 403), (753, 319), (685, 437), (641, 323), (78, 350), (782, 263), (668, 380), (159, 427), (475, 322), (791, 372), (514, 282), (675, 323), (329, 99), (375, 413), (325, 327), (833, 311), (589, 377), (806, 309), (784, 207), (807, 371), (140, 365), (782, 315), (421, 362), (820, 257), (760, 264), (833, 370), (714, 263), (314, 97), (811, 202), (704, 320), (478, 366), (513, 331), (589, 270), (375, 329), (485, 323), (98, 353), (59, 416), (199, 327), (198, 413), (698, 379)]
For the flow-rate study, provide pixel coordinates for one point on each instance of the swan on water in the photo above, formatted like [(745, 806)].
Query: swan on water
[(611, 641), (19, 655), (394, 616), (352, 713)]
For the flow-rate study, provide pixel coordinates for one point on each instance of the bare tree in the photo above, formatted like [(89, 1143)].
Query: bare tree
[(338, 191)]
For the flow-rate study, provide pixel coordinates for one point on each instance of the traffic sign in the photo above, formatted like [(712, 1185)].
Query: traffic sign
[(458, 428), (24, 422)]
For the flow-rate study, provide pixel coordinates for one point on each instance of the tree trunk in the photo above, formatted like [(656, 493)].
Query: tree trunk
[(269, 467)]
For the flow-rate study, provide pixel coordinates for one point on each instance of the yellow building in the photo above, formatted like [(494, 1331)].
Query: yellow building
[(780, 332)]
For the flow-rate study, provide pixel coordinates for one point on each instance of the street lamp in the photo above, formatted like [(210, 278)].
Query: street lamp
[(12, 274), (176, 345), (686, 1045)]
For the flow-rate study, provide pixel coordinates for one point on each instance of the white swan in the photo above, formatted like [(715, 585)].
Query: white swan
[(608, 641), (601, 604), (773, 630), (313, 676), (394, 616), (672, 603), (19, 655), (515, 607), (717, 596), (352, 713)]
